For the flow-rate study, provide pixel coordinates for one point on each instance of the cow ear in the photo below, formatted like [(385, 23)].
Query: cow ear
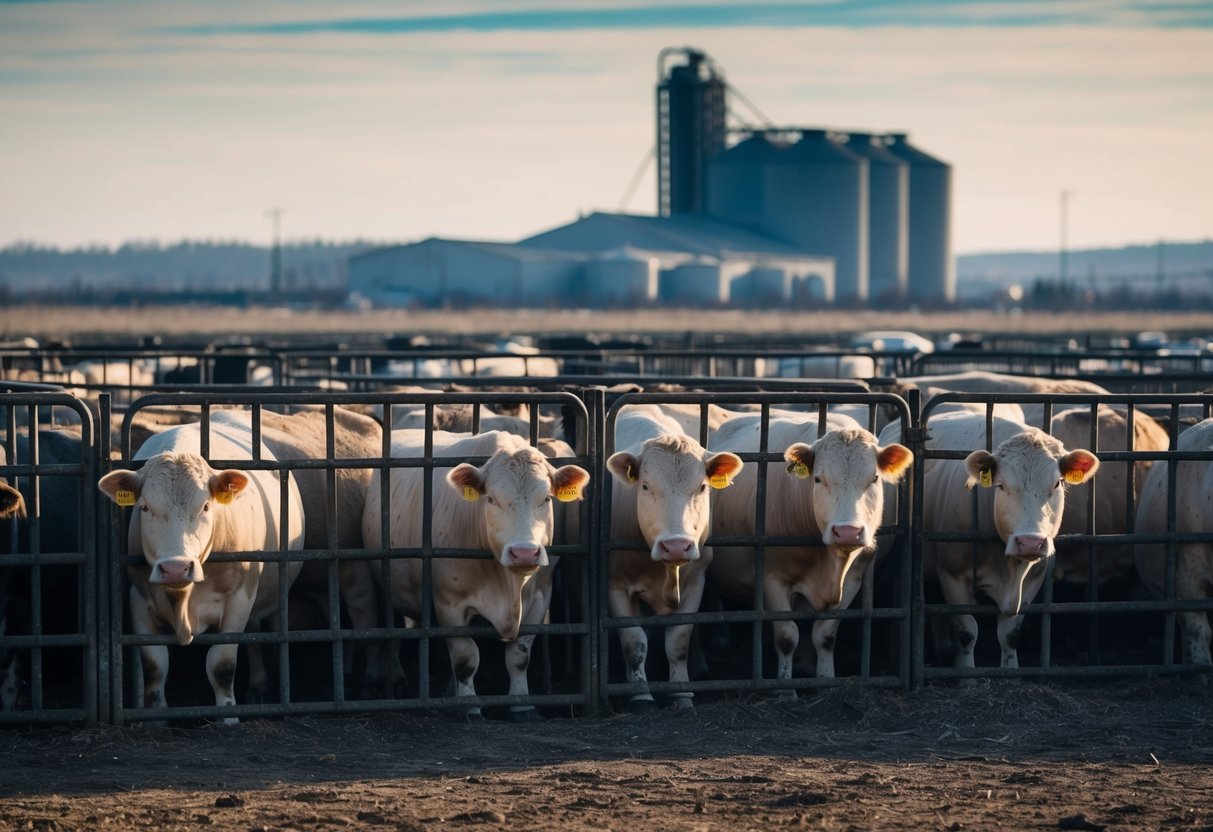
[(1078, 466), (468, 480), (625, 467), (568, 482), (228, 485), (12, 504), (721, 468), (893, 461), (121, 486), (800, 460), (981, 466)]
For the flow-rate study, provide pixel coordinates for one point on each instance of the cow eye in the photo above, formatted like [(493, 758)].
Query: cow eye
[(1057, 485), (548, 499), (817, 480), (143, 509), (492, 502), (999, 487), (703, 487), (206, 506), (875, 479), (645, 486)]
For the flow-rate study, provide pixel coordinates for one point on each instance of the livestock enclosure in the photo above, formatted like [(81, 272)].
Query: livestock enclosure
[(79, 665)]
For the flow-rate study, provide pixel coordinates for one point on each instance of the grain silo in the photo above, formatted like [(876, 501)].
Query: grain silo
[(888, 217), (817, 198), (932, 271), (690, 129), (622, 277), (697, 282), (761, 286), (736, 180)]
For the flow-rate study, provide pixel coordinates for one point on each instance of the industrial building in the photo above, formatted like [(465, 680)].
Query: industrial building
[(801, 216)]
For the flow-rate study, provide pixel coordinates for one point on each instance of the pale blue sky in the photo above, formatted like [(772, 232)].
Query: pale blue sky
[(480, 119)]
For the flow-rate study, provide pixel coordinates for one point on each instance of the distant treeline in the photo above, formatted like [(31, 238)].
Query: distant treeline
[(202, 267)]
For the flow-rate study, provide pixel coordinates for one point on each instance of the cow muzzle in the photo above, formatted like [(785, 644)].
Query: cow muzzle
[(675, 549), (1029, 546), (176, 572), (524, 556), (846, 536)]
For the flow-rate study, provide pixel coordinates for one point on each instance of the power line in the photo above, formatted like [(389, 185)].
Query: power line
[(649, 156)]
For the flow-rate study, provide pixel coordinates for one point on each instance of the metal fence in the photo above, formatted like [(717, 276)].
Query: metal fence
[(86, 670)]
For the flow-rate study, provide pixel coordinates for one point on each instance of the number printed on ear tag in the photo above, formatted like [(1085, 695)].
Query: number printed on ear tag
[(225, 497), (568, 494), (470, 494), (986, 478), (719, 481), (1074, 477), (125, 498)]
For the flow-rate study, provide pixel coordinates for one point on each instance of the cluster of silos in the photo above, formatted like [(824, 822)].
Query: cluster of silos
[(621, 278), (879, 206)]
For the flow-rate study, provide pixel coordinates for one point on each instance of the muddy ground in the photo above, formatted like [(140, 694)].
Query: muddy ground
[(1125, 755)]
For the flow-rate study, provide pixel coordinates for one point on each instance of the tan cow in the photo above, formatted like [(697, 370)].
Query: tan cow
[(660, 495), (828, 487), (184, 510), (1193, 561), (1073, 428), (504, 508), (1021, 500)]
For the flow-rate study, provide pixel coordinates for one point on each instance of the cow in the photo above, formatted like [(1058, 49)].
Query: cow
[(1193, 561), (184, 511), (660, 495), (831, 490), (502, 508), (59, 532), (986, 382), (1021, 500), (1073, 428)]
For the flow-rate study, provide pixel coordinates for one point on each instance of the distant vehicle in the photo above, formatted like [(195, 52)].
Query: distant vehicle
[(892, 340), (1150, 339)]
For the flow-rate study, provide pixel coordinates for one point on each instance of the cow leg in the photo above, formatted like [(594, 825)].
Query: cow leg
[(382, 673), (678, 642), (10, 681), (221, 670), (518, 659), (258, 678), (1008, 638), (635, 646), (465, 661), (825, 634), (154, 657), (1196, 637), (964, 627)]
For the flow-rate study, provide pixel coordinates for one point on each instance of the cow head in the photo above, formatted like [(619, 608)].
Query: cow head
[(846, 470), (177, 497), (672, 476), (1028, 473), (516, 488)]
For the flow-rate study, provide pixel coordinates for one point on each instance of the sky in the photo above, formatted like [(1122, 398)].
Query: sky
[(144, 120)]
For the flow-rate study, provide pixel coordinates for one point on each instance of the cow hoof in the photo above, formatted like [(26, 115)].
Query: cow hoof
[(529, 714), (642, 705), (684, 702)]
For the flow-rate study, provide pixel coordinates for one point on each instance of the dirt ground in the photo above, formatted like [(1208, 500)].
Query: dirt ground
[(999, 756)]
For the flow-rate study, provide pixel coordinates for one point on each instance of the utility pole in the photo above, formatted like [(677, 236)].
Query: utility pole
[(1161, 272), (276, 251), (1063, 274)]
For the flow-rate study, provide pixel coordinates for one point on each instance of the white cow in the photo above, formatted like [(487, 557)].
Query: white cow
[(183, 511), (1073, 428), (660, 496), (829, 488), (979, 381), (504, 508), (1022, 500), (1194, 561)]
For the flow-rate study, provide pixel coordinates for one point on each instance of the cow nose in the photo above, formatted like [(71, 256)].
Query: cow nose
[(176, 571), (847, 534), (1028, 545), (676, 548), (523, 555)]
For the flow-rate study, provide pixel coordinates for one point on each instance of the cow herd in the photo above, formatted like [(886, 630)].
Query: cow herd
[(453, 517)]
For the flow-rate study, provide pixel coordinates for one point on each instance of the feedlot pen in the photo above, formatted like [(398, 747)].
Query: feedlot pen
[(74, 654)]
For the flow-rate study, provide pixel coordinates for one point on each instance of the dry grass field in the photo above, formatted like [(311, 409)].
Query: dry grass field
[(182, 321)]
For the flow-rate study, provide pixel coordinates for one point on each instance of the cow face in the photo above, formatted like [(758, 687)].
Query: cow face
[(672, 476), (177, 497), (1029, 473), (847, 470), (515, 490)]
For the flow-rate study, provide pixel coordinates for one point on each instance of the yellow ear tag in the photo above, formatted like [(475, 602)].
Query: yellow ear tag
[(631, 476), (1074, 476), (470, 494), (986, 478), (719, 481), (125, 498), (568, 494), (799, 470), (225, 497)]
